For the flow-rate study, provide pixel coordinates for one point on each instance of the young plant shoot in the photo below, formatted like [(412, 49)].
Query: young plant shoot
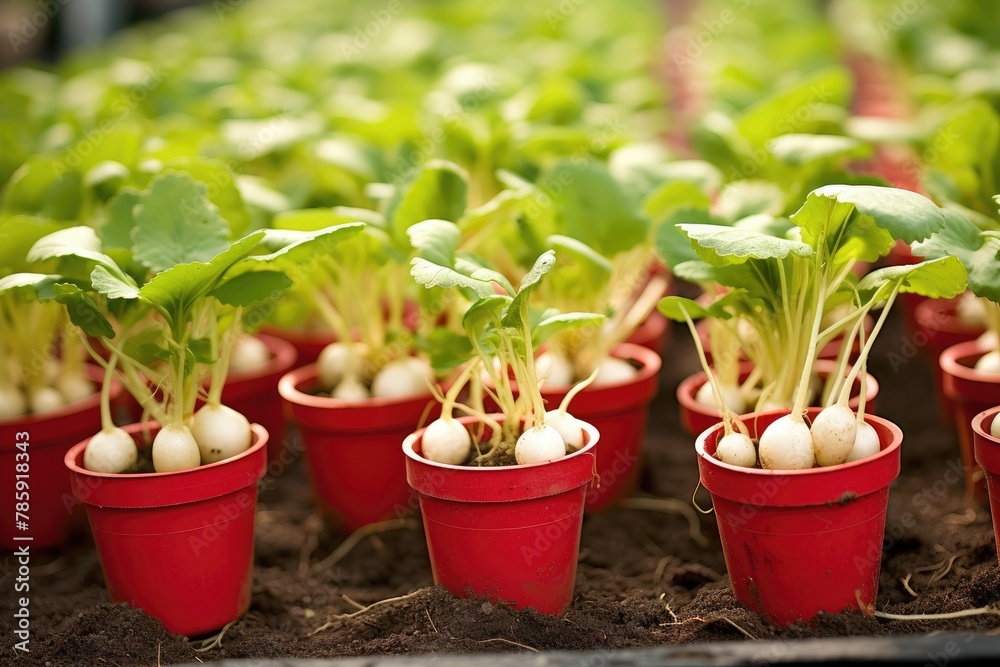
[(785, 285), (172, 318), (503, 337)]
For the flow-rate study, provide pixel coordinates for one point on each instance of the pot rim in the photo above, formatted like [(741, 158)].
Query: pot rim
[(950, 365), (259, 432), (288, 388), (593, 436)]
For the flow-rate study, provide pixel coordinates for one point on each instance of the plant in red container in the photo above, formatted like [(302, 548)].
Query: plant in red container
[(823, 475), (490, 484), (168, 320)]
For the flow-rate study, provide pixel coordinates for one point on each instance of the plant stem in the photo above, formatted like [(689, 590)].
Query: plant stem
[(107, 422), (863, 357)]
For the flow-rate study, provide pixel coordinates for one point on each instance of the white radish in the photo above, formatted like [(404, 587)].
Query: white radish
[(12, 403), (351, 389), (989, 363), (174, 448), (220, 432), (971, 311), (555, 369), (613, 371), (75, 388), (110, 451), (409, 376), (866, 443), (736, 449), (45, 399), (731, 396), (988, 339), (248, 354), (446, 441), (539, 444), (786, 445), (833, 433), (336, 362), (568, 427), (995, 427)]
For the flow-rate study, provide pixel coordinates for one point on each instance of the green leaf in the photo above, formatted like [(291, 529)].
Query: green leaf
[(83, 311), (429, 274), (80, 243), (177, 224), (34, 286), (941, 278), (593, 262), (438, 192), (674, 307), (175, 291), (794, 108), (905, 215), (484, 313), (543, 265), (316, 219), (111, 285), (17, 234), (800, 149), (252, 287), (446, 349), (435, 240), (557, 324), (222, 190), (720, 246), (741, 199), (116, 232), (977, 251)]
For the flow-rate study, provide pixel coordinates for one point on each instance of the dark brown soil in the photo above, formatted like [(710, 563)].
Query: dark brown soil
[(642, 580)]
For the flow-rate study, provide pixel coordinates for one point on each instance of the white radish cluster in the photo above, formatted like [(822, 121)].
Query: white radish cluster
[(249, 353), (339, 368), (339, 362), (732, 396), (554, 369), (62, 389), (989, 363), (971, 311), (613, 371), (410, 376)]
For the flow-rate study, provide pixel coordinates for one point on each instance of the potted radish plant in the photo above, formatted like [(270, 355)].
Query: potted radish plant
[(971, 370), (491, 484), (785, 482), (175, 495), (371, 387), (49, 396)]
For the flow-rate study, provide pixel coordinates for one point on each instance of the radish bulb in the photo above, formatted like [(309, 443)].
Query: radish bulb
[(12, 403), (787, 444), (989, 363), (45, 399), (866, 443), (110, 451), (567, 426), (249, 353), (612, 370), (971, 312), (989, 339), (75, 388), (446, 441), (995, 428), (351, 389), (731, 396), (539, 444), (220, 432), (174, 448), (736, 449), (409, 376), (336, 362), (555, 369), (834, 432)]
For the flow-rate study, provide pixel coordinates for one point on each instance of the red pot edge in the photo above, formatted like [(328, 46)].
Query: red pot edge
[(288, 388), (76, 453), (931, 311), (897, 441), (96, 375), (689, 386), (651, 362), (948, 361), (593, 436), (988, 459), (283, 358)]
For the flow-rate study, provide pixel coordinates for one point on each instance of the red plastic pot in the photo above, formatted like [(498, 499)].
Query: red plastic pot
[(971, 392), (936, 328), (255, 393), (178, 545), (987, 449), (53, 515), (510, 534), (307, 344), (696, 417), (829, 351), (801, 542), (653, 334), (353, 449)]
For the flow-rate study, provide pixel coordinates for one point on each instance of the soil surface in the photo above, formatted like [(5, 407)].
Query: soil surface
[(642, 581)]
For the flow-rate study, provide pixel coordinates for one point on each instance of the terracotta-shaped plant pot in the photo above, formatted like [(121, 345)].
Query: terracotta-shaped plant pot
[(801, 542), (936, 328), (696, 417), (987, 450), (353, 448), (178, 545), (971, 392), (33, 446), (507, 533), (255, 393)]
